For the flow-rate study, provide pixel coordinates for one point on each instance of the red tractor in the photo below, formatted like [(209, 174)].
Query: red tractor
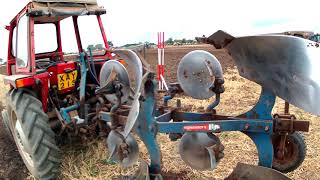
[(53, 94)]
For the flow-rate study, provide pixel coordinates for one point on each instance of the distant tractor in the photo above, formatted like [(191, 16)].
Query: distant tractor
[(304, 34), (53, 95), (315, 38)]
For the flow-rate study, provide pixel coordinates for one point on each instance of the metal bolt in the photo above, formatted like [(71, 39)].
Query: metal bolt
[(280, 154), (124, 146), (246, 127), (292, 117), (266, 128), (125, 152), (178, 103)]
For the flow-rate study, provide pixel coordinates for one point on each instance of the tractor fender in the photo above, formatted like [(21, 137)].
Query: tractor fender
[(37, 85)]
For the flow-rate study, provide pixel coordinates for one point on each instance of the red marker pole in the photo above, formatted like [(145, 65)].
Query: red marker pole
[(159, 60), (162, 60)]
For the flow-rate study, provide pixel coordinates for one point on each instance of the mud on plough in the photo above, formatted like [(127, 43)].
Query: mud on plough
[(282, 65)]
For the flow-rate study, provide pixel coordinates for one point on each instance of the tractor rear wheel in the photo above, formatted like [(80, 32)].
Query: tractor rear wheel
[(293, 155), (32, 134), (5, 122)]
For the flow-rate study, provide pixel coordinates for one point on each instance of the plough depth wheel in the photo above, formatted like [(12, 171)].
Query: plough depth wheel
[(292, 155)]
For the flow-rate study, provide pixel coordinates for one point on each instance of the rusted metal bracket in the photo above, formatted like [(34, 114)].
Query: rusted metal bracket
[(288, 123)]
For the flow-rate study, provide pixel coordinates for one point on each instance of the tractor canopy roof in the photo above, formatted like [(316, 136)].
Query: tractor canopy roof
[(55, 10)]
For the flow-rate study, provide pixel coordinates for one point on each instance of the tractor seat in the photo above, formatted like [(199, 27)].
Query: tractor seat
[(43, 64), (39, 71)]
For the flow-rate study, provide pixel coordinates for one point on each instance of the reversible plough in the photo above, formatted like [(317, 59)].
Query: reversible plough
[(282, 65)]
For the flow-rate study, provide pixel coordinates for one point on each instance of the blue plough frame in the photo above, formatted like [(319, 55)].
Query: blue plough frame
[(256, 123)]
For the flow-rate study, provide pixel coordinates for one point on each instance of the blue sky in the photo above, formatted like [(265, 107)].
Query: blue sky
[(140, 20)]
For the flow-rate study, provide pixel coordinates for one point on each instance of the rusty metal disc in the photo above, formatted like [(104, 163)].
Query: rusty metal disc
[(123, 151), (200, 151), (197, 71), (122, 76)]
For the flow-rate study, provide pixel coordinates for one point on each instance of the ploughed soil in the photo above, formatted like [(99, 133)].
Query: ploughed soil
[(174, 54)]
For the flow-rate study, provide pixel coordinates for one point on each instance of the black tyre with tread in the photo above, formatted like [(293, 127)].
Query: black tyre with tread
[(5, 122), (32, 134), (295, 152)]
